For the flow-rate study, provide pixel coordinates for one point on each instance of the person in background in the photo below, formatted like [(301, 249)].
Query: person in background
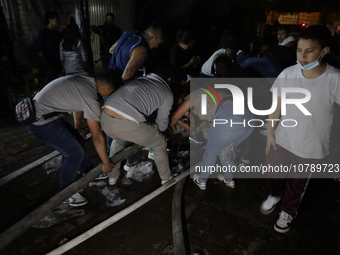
[(284, 37), (229, 50), (109, 33), (182, 54), (48, 41), (71, 24), (73, 57), (257, 47), (131, 50), (72, 53)]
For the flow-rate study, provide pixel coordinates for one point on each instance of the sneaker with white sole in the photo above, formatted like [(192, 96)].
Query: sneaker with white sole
[(199, 183), (76, 200), (128, 165), (269, 204), (230, 184), (283, 223), (165, 181), (113, 180), (101, 177)]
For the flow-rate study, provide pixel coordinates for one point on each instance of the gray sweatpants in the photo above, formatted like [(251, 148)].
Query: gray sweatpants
[(122, 130)]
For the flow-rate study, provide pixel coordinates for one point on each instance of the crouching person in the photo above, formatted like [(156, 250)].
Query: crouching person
[(69, 94), (124, 117)]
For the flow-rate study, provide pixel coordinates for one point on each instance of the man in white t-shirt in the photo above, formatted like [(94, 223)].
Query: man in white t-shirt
[(230, 50), (69, 94)]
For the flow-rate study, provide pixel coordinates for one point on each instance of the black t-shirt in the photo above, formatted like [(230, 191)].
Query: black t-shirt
[(48, 43), (108, 36), (180, 57)]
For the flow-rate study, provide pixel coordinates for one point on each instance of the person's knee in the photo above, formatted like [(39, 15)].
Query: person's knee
[(82, 154), (76, 152), (116, 146), (160, 145)]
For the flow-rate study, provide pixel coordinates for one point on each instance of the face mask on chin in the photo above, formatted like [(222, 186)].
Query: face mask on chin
[(311, 65)]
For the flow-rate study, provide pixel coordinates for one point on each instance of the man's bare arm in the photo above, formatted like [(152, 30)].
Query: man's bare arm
[(100, 145), (111, 50), (137, 57)]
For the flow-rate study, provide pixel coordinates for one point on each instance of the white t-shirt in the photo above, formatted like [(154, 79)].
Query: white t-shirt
[(311, 137), (71, 93), (74, 60), (141, 97), (206, 68), (287, 40)]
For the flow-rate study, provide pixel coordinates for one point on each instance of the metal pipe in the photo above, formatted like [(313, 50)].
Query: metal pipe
[(29, 167), (177, 227), (108, 222), (21, 226)]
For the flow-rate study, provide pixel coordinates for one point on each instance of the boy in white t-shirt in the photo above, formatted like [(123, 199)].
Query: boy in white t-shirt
[(230, 50), (308, 141)]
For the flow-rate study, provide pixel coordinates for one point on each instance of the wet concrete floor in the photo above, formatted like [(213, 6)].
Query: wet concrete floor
[(216, 221)]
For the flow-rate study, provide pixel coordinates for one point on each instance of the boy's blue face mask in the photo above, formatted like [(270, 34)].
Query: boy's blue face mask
[(311, 65)]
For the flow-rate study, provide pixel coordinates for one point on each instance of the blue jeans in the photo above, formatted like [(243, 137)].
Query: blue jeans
[(60, 136), (244, 148), (222, 135)]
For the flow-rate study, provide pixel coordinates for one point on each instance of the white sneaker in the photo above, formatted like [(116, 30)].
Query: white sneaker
[(165, 181), (76, 200), (128, 165), (113, 180), (269, 204), (230, 184), (283, 223), (101, 177), (199, 183)]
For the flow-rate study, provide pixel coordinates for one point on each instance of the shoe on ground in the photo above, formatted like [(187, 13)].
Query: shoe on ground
[(151, 155), (113, 180), (230, 184), (128, 165), (76, 200), (101, 177), (200, 184), (165, 181), (283, 223), (269, 204)]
